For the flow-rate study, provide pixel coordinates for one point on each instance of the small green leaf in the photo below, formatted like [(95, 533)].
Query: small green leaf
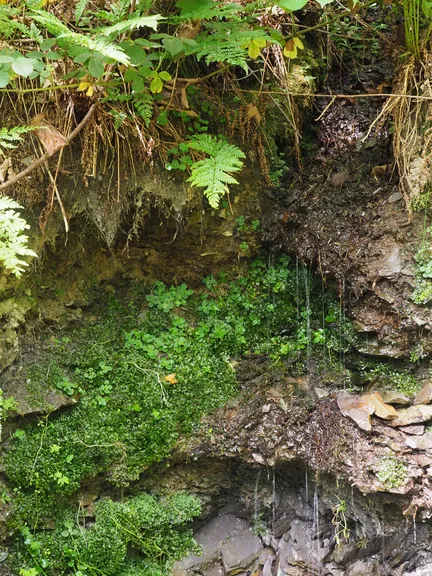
[(156, 85), (165, 75)]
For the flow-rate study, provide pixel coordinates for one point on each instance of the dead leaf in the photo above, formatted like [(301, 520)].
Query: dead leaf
[(51, 138), (184, 102), (171, 378), (252, 112), (189, 29), (381, 171)]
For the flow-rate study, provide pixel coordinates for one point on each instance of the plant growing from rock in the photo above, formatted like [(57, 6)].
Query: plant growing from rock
[(13, 242)]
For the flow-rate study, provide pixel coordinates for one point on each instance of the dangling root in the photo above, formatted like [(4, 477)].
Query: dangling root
[(412, 143)]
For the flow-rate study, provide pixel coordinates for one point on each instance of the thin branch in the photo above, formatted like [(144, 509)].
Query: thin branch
[(48, 155)]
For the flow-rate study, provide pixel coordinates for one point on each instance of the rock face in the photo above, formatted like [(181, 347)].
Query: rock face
[(425, 394), (284, 523), (413, 415), (360, 408)]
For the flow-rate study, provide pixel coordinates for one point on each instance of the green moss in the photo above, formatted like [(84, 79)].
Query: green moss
[(392, 472), (385, 377), (144, 372), (140, 534)]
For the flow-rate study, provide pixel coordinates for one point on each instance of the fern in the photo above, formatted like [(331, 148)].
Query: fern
[(132, 24), (143, 104), (8, 25), (215, 172), (13, 243), (227, 44), (79, 10), (11, 137), (68, 37)]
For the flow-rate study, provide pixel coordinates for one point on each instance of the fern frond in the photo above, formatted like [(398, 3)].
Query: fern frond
[(11, 137), (68, 37), (8, 24), (227, 44), (132, 24), (143, 104), (13, 244), (79, 10), (215, 172)]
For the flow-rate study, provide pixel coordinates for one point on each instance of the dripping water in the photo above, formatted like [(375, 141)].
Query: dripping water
[(306, 277), (256, 497), (316, 529), (273, 499)]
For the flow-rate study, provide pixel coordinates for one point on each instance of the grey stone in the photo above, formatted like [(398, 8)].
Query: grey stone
[(394, 397), (425, 394), (415, 430), (241, 550), (211, 537), (216, 571), (412, 415), (321, 392), (351, 407), (420, 442), (420, 571), (395, 197), (360, 568)]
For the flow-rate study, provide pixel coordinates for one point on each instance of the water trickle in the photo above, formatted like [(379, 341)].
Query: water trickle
[(273, 499), (307, 285), (414, 530), (315, 532), (256, 518), (341, 328)]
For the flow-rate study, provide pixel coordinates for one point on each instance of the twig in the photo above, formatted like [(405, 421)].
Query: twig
[(42, 159)]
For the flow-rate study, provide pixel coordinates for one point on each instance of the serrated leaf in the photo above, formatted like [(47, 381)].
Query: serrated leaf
[(132, 24), (23, 67)]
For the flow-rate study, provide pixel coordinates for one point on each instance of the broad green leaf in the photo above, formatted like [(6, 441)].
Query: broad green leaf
[(254, 48), (23, 67), (136, 54), (4, 78), (190, 6), (156, 85), (323, 3), (138, 84), (291, 5), (146, 72), (173, 45), (96, 67), (130, 75)]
